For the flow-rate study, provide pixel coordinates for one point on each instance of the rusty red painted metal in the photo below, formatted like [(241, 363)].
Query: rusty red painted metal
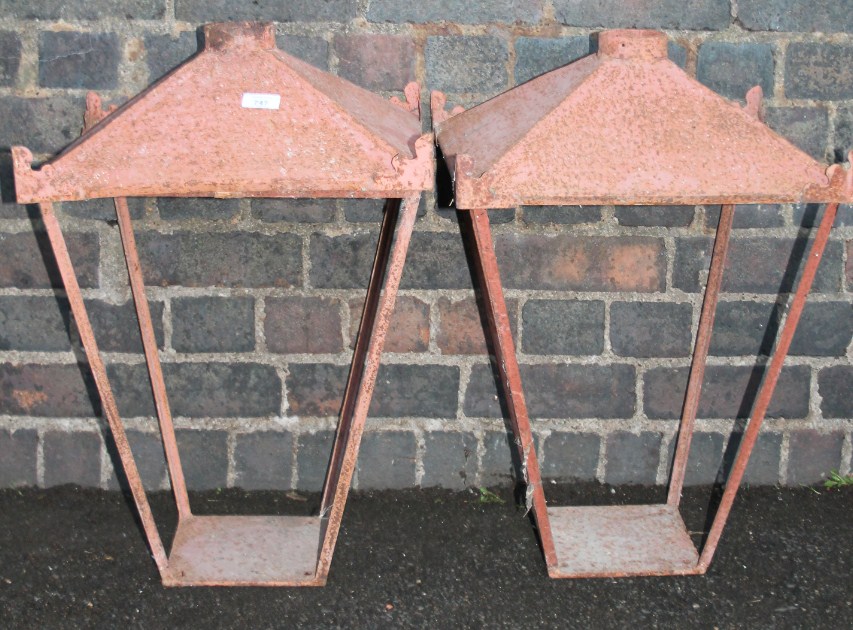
[(243, 119), (626, 126), (700, 353)]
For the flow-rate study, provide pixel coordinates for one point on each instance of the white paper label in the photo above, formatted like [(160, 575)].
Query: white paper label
[(261, 101)]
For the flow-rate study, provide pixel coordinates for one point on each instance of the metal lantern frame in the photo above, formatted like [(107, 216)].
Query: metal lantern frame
[(243, 119), (626, 126)]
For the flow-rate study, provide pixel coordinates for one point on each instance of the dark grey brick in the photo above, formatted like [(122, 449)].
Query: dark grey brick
[(811, 455), (164, 52), (116, 327), (632, 459), (508, 11), (313, 452), (18, 455), (806, 127), (363, 210), (677, 53), (558, 391), (294, 11), (727, 392), (416, 390), (47, 390), (498, 464), (213, 324), (295, 325), (650, 329), (449, 459), (263, 460), (563, 327), (26, 260), (763, 466), (147, 449), (34, 324), (44, 125), (705, 460), (699, 15), (465, 64), (756, 265), (581, 263), (376, 61), (663, 216), (744, 328), (370, 210), (10, 57), (294, 210), (342, 262), (497, 216), (825, 330), (538, 55), (103, 209), (835, 385), (201, 208), (218, 390), (88, 10), (316, 389), (235, 259), (809, 215), (569, 456), (843, 144), (748, 216), (436, 261), (819, 70), (68, 59), (732, 69), (314, 50), (72, 458), (795, 15), (204, 458), (764, 461), (387, 460), (562, 215), (41, 324)]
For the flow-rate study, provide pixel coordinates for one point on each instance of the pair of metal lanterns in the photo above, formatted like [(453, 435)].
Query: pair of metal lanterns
[(243, 119)]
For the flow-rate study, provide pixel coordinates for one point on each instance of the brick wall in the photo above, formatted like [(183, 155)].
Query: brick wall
[(256, 303)]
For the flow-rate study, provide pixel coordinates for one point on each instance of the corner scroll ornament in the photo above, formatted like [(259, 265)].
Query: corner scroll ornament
[(438, 102), (412, 101), (754, 102), (412, 173), (95, 113), (840, 182)]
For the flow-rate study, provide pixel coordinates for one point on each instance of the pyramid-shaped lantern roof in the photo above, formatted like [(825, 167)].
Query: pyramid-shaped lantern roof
[(625, 126), (241, 119)]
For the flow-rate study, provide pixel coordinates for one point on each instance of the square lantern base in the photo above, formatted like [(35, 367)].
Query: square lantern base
[(245, 551), (621, 541)]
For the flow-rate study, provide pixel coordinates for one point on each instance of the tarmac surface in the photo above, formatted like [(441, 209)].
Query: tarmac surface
[(72, 558)]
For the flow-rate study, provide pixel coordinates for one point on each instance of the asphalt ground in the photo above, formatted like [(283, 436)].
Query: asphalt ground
[(75, 558)]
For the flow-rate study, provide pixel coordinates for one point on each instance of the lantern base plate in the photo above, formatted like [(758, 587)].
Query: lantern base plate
[(245, 551), (620, 541)]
